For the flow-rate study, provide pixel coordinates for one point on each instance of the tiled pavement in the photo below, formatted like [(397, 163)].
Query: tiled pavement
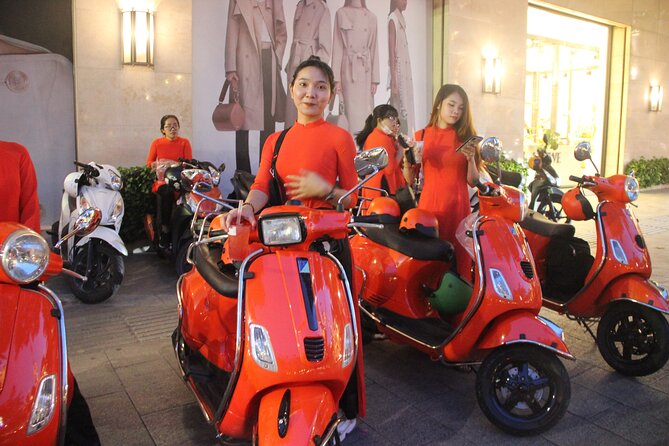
[(120, 352)]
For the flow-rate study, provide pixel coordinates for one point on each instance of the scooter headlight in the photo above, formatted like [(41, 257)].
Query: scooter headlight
[(45, 403), (261, 348), (631, 188), (24, 256), (281, 230), (499, 284), (117, 212), (348, 346)]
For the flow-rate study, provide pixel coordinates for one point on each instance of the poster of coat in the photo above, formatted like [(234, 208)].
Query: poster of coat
[(379, 50)]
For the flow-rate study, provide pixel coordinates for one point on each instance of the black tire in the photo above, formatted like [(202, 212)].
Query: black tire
[(555, 214), (181, 264), (523, 389), (633, 339), (106, 277)]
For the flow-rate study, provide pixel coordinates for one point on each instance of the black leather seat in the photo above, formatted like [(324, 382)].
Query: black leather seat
[(412, 244), (222, 280), (540, 224)]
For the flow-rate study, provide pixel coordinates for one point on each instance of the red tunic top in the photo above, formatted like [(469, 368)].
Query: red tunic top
[(445, 180), (392, 172), (163, 148), (319, 147), (18, 185)]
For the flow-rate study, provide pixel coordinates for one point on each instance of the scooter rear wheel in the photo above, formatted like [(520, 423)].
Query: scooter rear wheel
[(633, 339), (523, 389), (106, 275)]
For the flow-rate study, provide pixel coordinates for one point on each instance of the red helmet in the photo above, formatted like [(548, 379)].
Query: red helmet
[(421, 221), (576, 206), (384, 206)]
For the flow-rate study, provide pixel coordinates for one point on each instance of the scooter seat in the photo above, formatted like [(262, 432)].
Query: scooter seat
[(207, 258), (540, 224), (413, 245)]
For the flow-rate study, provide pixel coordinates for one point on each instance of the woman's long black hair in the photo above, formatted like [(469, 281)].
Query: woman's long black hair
[(382, 111)]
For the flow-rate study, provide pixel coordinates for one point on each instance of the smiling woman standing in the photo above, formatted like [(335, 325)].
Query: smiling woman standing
[(314, 165)]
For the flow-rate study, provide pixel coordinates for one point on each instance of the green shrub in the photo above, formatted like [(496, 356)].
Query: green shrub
[(649, 172), (138, 200)]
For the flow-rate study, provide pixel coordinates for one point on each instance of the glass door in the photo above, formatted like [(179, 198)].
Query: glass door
[(565, 90)]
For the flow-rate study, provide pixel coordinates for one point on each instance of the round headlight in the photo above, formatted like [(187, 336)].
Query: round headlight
[(632, 188), (24, 256)]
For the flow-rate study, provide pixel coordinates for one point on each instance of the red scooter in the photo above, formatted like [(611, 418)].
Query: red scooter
[(35, 383), (413, 296), (614, 287), (178, 178), (268, 335)]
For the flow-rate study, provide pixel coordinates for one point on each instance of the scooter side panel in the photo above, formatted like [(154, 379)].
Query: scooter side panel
[(393, 280), (522, 326), (636, 289), (33, 356), (502, 247), (311, 408), (617, 223), (275, 301), (9, 304)]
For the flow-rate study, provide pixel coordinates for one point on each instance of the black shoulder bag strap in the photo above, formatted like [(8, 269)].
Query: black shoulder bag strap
[(276, 194)]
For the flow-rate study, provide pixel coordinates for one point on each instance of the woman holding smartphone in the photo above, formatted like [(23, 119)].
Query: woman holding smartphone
[(446, 170)]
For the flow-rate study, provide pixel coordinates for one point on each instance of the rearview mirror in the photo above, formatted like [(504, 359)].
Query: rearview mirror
[(491, 149), (582, 151), (86, 222), (370, 160)]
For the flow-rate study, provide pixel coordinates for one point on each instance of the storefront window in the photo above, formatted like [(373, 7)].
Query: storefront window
[(566, 83)]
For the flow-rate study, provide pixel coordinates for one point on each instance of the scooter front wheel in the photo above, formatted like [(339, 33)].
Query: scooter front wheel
[(523, 389), (633, 339), (105, 274)]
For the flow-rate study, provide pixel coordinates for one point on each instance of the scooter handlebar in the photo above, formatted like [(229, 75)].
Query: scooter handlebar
[(576, 179)]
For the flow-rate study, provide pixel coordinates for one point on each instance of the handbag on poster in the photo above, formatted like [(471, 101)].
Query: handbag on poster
[(228, 117), (338, 119)]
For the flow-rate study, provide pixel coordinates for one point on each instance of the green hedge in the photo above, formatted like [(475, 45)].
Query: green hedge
[(649, 172), (138, 200)]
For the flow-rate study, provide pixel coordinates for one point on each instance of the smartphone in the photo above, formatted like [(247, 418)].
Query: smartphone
[(475, 139)]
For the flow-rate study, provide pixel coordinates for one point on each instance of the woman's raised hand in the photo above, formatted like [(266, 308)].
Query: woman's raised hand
[(238, 214), (307, 185)]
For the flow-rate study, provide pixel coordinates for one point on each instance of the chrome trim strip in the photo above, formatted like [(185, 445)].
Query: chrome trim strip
[(390, 327), (234, 375), (55, 302), (349, 297), (548, 347), (640, 303)]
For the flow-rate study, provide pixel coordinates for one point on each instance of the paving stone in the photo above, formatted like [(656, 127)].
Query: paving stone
[(180, 426), (633, 425), (573, 430), (117, 421)]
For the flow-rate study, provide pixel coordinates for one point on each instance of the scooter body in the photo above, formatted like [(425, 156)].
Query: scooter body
[(268, 346), (180, 177), (617, 277), (97, 255), (34, 377), (413, 297)]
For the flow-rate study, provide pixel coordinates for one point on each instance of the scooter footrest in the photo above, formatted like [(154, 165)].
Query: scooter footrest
[(430, 331)]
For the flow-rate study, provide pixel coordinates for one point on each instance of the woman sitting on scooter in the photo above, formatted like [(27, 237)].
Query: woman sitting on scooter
[(382, 130), (444, 169), (170, 147), (314, 165)]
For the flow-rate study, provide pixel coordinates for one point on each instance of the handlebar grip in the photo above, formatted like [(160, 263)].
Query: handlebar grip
[(217, 233), (576, 179), (89, 170)]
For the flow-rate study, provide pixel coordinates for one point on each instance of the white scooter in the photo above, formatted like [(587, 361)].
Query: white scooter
[(98, 255)]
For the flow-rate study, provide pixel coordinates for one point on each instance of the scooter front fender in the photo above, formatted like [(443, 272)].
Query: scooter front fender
[(108, 235), (635, 289), (309, 413), (523, 326)]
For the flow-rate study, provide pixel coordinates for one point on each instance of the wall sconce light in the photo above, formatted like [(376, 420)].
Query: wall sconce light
[(655, 98), (137, 37), (492, 75)]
